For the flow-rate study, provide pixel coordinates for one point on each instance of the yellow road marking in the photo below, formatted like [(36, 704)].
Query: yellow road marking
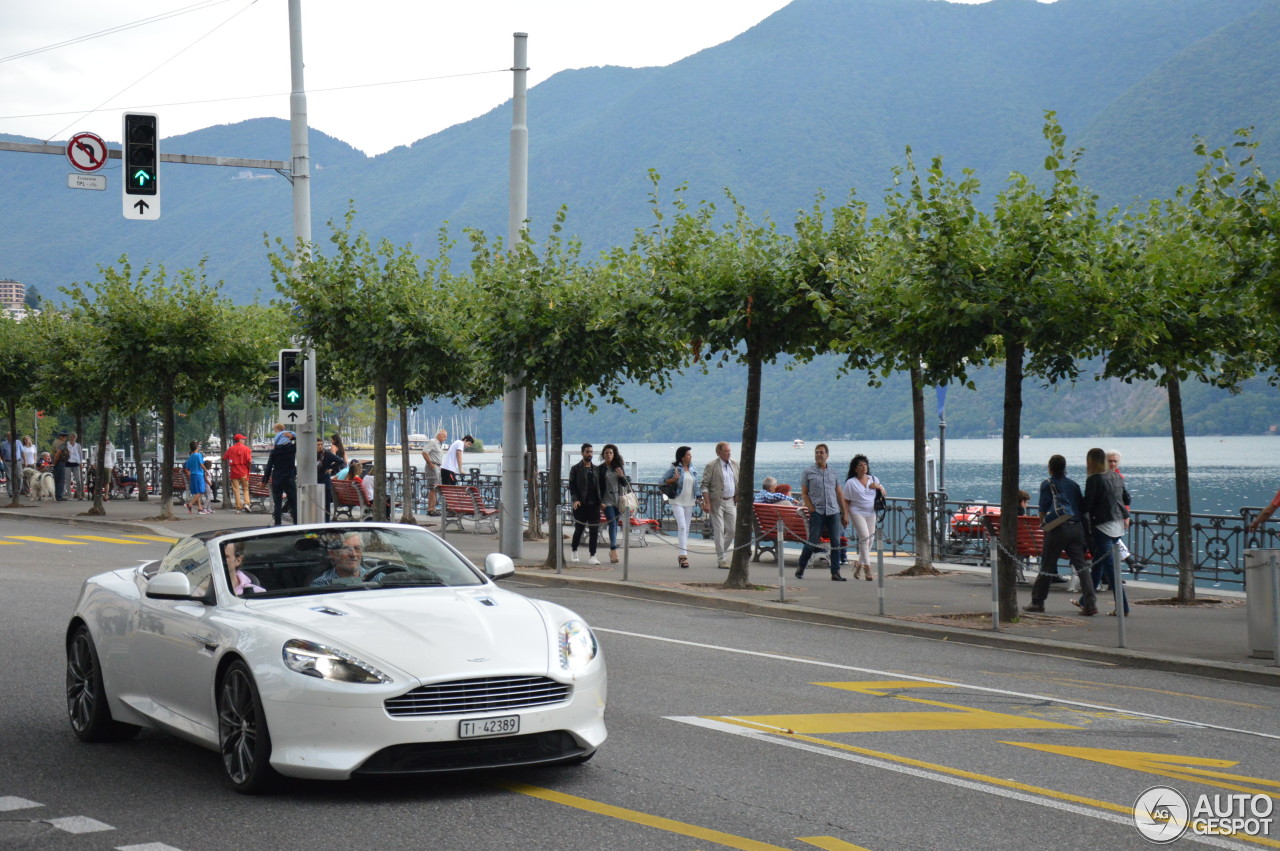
[(1165, 765), (11, 543), (47, 540), (830, 843), (954, 772), (897, 722), (882, 688), (104, 540), (1104, 686), (636, 817), (152, 538)]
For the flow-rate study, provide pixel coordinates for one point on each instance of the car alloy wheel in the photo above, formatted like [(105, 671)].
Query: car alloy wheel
[(243, 738), (86, 696)]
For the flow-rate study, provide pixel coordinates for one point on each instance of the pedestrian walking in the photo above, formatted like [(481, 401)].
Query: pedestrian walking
[(720, 501), (237, 460), (860, 489), (282, 473), (585, 494), (194, 466), (684, 480), (828, 512), (1062, 513), (1105, 501), (613, 484)]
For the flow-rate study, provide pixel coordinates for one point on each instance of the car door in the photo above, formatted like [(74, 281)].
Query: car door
[(177, 643)]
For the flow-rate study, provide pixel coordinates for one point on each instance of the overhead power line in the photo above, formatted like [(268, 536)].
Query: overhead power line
[(195, 7)]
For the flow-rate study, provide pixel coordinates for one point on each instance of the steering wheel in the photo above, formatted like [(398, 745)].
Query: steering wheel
[(382, 567)]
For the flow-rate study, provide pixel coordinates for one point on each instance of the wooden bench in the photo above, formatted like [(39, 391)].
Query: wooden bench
[(347, 497), (640, 527), (1029, 542), (179, 482), (464, 502), (795, 528), (120, 489), (259, 492)]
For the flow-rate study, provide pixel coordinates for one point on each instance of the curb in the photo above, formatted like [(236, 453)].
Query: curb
[(984, 638)]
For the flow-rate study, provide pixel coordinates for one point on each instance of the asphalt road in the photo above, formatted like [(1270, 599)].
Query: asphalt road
[(726, 730)]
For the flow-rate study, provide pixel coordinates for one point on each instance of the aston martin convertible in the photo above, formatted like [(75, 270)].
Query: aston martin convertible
[(327, 651)]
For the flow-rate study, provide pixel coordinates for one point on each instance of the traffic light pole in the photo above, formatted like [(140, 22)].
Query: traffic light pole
[(310, 495)]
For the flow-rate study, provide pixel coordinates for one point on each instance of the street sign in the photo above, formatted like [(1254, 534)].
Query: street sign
[(87, 151), (140, 180), (86, 181)]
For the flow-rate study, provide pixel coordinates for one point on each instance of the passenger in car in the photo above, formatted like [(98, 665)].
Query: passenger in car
[(240, 582), (347, 563)]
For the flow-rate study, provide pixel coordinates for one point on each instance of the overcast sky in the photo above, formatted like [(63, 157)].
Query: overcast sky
[(379, 73)]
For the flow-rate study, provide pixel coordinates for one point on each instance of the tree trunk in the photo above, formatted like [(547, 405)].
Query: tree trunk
[(534, 529), (406, 511), (139, 471), (923, 564), (1009, 462), (100, 483), (223, 443), (1182, 493), (738, 568), (166, 466), (15, 468), (380, 450), (554, 473)]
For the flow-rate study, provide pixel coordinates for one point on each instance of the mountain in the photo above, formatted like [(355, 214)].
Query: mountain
[(822, 96)]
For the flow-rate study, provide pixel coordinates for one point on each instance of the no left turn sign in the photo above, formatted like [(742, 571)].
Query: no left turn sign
[(87, 151)]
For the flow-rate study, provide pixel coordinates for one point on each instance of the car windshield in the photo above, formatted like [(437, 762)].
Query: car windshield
[(339, 558)]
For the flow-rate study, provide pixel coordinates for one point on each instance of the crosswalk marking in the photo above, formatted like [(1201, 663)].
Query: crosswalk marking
[(9, 803), (104, 540), (162, 539), (79, 824)]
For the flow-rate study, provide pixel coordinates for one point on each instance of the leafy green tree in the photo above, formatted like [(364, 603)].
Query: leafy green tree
[(741, 291), (408, 344), (164, 334), (930, 241), (574, 331), (19, 356)]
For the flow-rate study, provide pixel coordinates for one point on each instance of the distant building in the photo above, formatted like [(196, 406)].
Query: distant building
[(13, 298)]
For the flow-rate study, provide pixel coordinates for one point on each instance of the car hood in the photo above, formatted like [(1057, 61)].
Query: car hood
[(428, 633)]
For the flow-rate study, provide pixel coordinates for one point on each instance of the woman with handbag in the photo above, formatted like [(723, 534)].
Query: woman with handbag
[(861, 491), (680, 484), (613, 485)]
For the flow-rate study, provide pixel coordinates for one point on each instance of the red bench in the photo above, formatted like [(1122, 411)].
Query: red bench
[(795, 527), (347, 497), (464, 502), (259, 492)]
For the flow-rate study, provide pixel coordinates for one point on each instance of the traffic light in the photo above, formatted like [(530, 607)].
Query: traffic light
[(273, 380), (141, 154), (292, 384)]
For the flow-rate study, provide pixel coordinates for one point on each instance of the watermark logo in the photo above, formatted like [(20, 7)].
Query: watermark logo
[(1162, 815)]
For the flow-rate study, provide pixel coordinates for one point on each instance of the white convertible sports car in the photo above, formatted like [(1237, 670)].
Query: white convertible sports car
[(330, 650)]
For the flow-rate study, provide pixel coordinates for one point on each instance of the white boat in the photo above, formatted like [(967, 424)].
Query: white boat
[(797, 443)]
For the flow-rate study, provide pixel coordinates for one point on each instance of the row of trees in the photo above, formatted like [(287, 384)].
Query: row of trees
[(935, 285)]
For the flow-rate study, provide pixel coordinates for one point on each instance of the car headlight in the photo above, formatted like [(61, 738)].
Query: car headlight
[(577, 645), (329, 663)]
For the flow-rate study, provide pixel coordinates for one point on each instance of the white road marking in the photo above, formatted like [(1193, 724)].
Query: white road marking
[(78, 824), (974, 785), (8, 803), (894, 675), (147, 846)]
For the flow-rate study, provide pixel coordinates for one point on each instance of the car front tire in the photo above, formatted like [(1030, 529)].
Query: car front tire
[(87, 707), (243, 738)]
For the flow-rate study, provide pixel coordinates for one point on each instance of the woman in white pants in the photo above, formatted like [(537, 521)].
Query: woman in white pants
[(681, 474), (860, 493)]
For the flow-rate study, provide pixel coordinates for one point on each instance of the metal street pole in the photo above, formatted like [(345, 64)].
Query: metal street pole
[(310, 508), (513, 399)]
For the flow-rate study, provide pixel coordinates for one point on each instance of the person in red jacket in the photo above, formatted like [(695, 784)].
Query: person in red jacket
[(237, 460)]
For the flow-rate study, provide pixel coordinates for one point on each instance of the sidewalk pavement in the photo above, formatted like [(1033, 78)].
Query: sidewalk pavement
[(1209, 639)]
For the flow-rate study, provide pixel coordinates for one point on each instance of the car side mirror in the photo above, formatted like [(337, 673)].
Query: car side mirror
[(169, 586), (497, 565)]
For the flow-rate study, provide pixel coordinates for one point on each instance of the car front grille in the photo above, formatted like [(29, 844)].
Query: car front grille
[(484, 694)]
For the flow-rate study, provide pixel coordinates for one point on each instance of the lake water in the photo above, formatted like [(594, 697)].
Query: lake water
[(1227, 473)]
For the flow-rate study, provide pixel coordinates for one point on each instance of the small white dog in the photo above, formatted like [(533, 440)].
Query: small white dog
[(39, 485)]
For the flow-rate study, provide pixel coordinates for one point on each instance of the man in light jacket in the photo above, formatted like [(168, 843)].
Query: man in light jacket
[(720, 501)]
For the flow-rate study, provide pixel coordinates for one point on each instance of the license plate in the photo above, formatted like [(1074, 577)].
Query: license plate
[(504, 725)]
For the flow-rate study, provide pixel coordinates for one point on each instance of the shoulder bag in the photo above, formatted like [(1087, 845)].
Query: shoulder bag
[(1060, 512)]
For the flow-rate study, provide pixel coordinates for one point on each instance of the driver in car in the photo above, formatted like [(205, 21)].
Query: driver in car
[(347, 560)]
